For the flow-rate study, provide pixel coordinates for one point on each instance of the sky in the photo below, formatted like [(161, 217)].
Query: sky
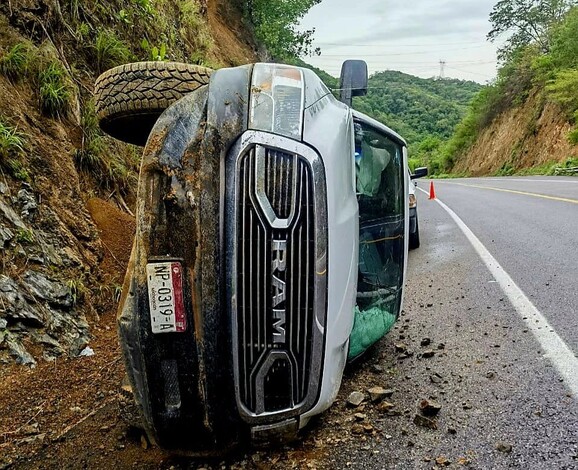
[(410, 36)]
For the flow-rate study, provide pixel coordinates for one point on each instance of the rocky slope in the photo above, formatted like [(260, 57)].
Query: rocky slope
[(65, 189), (533, 135), (66, 200)]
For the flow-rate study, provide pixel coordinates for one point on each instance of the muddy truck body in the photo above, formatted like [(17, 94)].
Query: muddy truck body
[(271, 246)]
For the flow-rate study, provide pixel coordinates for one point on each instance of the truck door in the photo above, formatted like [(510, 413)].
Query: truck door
[(381, 194)]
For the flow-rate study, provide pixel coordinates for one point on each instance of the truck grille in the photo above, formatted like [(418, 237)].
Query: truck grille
[(280, 300)]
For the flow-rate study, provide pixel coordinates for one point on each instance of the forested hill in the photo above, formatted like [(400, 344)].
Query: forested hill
[(417, 108), (526, 121), (424, 111)]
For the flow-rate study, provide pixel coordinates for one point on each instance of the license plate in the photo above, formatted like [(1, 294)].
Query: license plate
[(165, 286)]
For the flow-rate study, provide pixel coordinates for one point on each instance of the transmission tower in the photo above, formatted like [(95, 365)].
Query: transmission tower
[(442, 69)]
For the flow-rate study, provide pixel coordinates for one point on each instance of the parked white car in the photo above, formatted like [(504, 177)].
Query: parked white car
[(413, 219)]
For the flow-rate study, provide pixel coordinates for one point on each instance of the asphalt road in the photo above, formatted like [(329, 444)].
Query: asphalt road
[(491, 339), (535, 239), (498, 387)]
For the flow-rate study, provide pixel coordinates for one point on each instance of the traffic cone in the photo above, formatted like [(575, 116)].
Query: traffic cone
[(432, 191)]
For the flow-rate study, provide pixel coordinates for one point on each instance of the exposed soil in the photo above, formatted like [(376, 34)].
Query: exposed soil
[(116, 230), (54, 397), (232, 43), (525, 136), (64, 413)]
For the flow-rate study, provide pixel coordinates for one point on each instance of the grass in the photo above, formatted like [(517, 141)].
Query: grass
[(12, 142), (24, 235), (506, 170), (77, 290), (145, 6), (194, 30), (448, 176), (19, 170), (112, 165), (54, 89), (14, 64), (117, 293), (110, 51), (83, 30), (90, 157), (571, 162), (548, 168)]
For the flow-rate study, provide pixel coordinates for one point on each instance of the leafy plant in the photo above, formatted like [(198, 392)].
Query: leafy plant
[(145, 6), (155, 53), (11, 141), (564, 89), (110, 51), (77, 290), (54, 89), (276, 26), (18, 170), (527, 22), (112, 166), (124, 17), (14, 64), (24, 235)]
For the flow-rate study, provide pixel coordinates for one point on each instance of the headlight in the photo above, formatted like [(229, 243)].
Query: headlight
[(277, 100), (412, 201)]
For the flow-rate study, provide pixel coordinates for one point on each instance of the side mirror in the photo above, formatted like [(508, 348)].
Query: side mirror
[(353, 81), (419, 173)]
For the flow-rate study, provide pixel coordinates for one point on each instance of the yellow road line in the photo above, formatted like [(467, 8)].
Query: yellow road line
[(543, 196)]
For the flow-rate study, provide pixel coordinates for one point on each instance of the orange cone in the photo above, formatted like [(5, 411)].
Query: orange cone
[(432, 191)]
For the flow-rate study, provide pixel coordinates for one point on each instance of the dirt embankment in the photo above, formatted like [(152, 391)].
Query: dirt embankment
[(66, 228), (233, 43), (530, 135)]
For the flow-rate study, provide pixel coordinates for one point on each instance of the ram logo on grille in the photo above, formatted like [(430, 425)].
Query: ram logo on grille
[(279, 267)]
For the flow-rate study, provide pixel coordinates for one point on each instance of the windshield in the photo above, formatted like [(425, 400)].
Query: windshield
[(380, 172)]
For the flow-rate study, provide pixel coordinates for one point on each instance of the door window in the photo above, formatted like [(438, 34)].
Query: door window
[(380, 183)]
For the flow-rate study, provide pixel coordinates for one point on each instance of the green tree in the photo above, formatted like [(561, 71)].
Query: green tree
[(564, 43), (275, 23), (527, 21)]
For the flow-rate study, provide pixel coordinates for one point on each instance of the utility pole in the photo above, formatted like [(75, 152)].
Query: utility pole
[(442, 69)]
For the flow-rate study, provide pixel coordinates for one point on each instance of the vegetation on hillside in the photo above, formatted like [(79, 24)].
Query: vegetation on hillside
[(526, 22), (540, 57), (275, 26), (70, 42), (423, 111)]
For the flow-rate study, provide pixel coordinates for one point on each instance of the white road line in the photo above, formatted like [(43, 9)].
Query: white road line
[(555, 349)]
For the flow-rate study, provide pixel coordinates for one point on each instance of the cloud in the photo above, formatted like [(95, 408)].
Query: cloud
[(379, 22), (384, 32)]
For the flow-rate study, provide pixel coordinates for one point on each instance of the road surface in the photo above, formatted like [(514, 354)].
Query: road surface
[(504, 304)]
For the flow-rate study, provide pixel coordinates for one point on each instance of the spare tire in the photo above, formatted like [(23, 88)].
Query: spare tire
[(130, 98)]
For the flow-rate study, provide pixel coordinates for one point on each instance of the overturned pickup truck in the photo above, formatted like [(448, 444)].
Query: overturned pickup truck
[(271, 244)]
